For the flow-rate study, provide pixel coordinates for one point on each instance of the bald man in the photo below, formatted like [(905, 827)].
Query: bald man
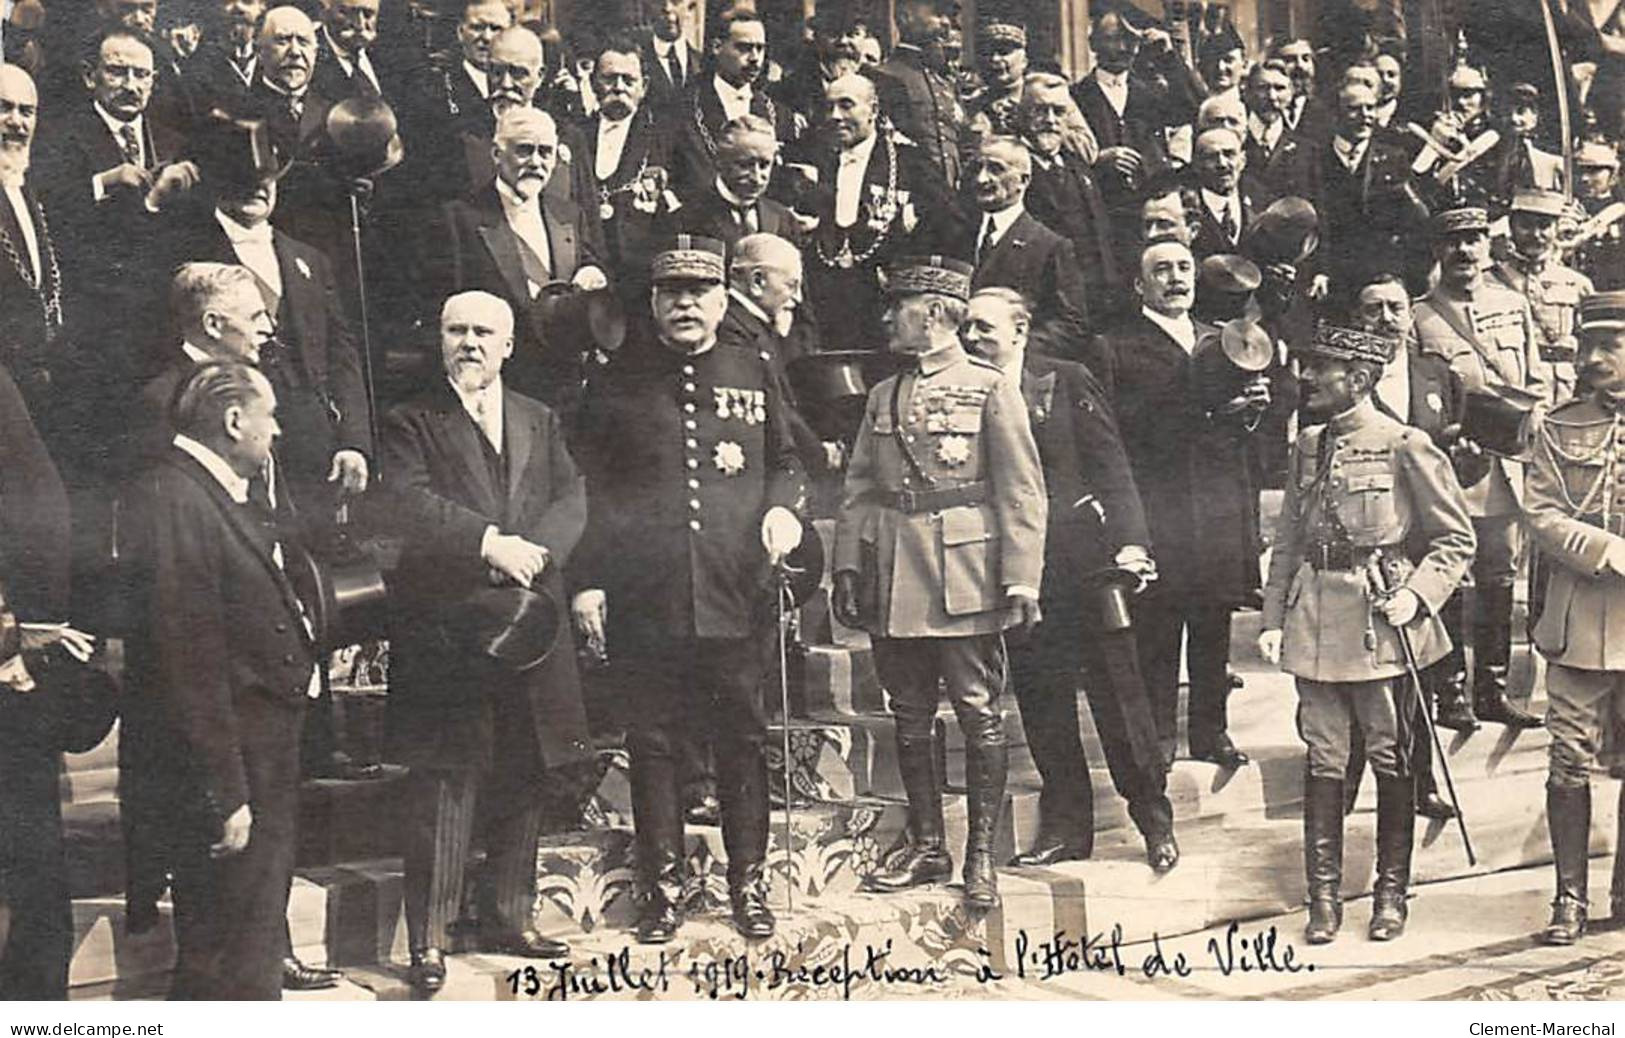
[(735, 203), (488, 502), (534, 248)]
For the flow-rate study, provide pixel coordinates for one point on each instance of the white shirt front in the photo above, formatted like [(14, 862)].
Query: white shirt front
[(1181, 329), (994, 226), (116, 128), (735, 100), (1218, 205), (854, 163), (525, 219), (1115, 86), (1350, 152), (255, 249), (1386, 110), (482, 82), (611, 143), (25, 220), (485, 407), (1394, 386), (1266, 134), (236, 488), (665, 48)]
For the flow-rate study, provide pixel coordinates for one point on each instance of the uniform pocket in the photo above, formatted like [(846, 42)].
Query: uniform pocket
[(969, 583), (1373, 499)]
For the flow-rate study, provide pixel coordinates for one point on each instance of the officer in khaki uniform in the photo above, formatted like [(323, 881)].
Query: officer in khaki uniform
[(1575, 508), (939, 548), (1489, 336), (1532, 269), (1366, 498)]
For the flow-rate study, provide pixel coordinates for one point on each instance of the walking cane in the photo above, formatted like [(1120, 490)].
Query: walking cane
[(786, 602), (1378, 574)]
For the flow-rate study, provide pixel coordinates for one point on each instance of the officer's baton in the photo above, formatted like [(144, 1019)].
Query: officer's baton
[(1379, 574)]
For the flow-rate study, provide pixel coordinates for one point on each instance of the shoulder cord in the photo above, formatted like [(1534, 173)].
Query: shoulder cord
[(1604, 478)]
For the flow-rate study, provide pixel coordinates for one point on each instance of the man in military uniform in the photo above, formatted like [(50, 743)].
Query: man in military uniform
[(1553, 290), (1489, 337), (1344, 588), (1575, 508), (693, 482), (1601, 254), (939, 548), (1097, 534), (917, 97), (1001, 55)]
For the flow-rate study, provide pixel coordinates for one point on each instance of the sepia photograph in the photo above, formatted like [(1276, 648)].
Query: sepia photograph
[(824, 501)]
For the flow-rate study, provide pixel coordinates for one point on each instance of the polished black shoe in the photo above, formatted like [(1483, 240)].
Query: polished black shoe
[(1233, 679), (658, 921), (1388, 915), (296, 976), (916, 867), (427, 972), (1432, 805), (748, 899), (1568, 922), (1049, 850), (340, 765), (1498, 710), (1454, 713), (1223, 752), (528, 944), (705, 810), (1325, 918), (1161, 853), (981, 882)]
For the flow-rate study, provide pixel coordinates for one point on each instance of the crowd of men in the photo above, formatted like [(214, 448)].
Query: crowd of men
[(540, 312)]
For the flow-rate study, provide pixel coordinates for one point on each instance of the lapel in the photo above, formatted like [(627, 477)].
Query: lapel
[(259, 540), (518, 437), (561, 236), (1038, 389), (500, 242), (457, 437), (1162, 344), (1009, 247), (297, 291)]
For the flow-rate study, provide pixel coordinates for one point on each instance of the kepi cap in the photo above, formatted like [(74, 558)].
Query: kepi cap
[(1596, 153), (1351, 344), (1462, 220), (1003, 34), (1543, 203), (689, 258), (934, 275), (1465, 77), (1603, 310)]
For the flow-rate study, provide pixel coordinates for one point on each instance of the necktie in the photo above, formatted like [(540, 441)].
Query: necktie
[(485, 420), (130, 143), (364, 85), (674, 69), (296, 108), (1228, 224), (985, 244), (745, 217)]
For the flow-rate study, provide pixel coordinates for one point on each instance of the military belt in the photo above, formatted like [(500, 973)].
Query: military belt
[(916, 501), (1343, 556)]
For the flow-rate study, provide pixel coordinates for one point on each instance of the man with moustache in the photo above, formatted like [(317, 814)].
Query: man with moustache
[(1228, 207), (1189, 461), (1532, 268), (939, 549), (694, 485), (1001, 53), (734, 205), (531, 247), (625, 160), (1306, 115), (227, 655), (448, 111), (836, 34), (669, 65), (1602, 256), (490, 505), (344, 66), (1349, 578), (1276, 155), (1014, 250), (1096, 526), (1129, 114), (221, 71), (919, 98), (877, 197), (734, 88), (1490, 339), (1063, 194)]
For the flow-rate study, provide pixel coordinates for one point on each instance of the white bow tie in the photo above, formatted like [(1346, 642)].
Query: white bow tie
[(237, 234)]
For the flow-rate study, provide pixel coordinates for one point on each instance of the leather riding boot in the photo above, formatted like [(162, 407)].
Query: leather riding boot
[(1396, 834), (1568, 818), (1616, 889), (1323, 857), (987, 767), (925, 859), (1448, 677), (747, 896), (662, 910), (1492, 661)]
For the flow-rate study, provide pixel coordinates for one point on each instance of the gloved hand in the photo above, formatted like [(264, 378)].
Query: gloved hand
[(1269, 646), (845, 602), (1028, 615)]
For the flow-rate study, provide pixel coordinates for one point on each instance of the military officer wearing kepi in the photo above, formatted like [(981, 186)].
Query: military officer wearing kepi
[(939, 548), (1371, 504), (1534, 270), (1575, 507), (1096, 538), (693, 487), (1488, 335)]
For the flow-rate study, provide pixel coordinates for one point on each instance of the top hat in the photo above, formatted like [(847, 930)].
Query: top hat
[(237, 154), (832, 387), (1499, 421), (513, 627), (569, 313), (1287, 231), (689, 258), (363, 131)]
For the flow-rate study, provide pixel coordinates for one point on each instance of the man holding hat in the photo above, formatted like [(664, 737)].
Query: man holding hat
[(1574, 505), (1601, 256), (694, 484), (1489, 337), (1553, 290), (939, 549), (485, 697), (1344, 586)]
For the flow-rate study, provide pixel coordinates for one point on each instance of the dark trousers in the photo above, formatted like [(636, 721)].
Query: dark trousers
[(1162, 617), (231, 913), (499, 805), (970, 668), (1046, 688), (694, 692), (34, 954)]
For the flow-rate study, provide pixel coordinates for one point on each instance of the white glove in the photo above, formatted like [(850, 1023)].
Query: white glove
[(590, 279), (590, 609), (1269, 646), (781, 533)]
